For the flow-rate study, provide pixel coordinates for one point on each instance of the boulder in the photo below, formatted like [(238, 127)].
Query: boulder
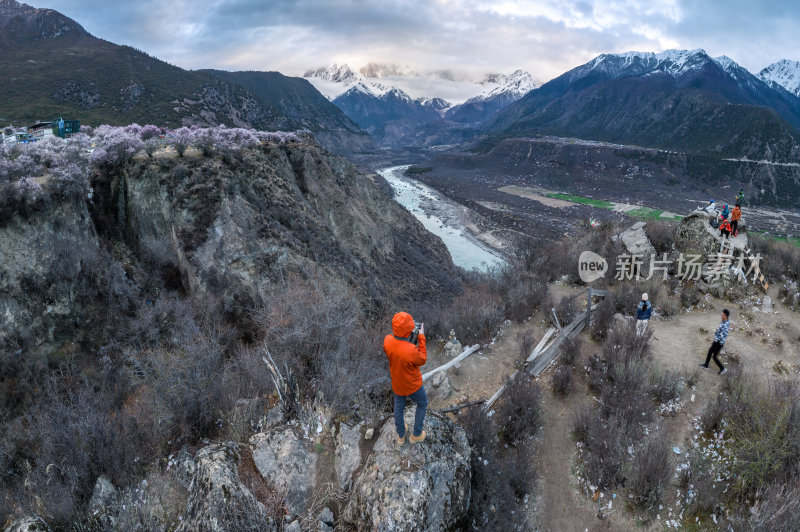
[(452, 348), (103, 495), (28, 524), (348, 454), (418, 487), (766, 304), (438, 387), (636, 243), (326, 516), (217, 498), (282, 458)]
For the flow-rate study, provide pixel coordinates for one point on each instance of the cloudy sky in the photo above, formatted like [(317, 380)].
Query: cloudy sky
[(545, 37)]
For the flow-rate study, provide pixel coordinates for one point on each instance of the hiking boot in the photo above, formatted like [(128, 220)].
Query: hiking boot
[(417, 439), (723, 371), (402, 440), (704, 367)]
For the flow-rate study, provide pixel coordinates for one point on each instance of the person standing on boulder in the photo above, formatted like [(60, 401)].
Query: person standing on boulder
[(406, 354), (736, 214), (719, 340), (643, 311)]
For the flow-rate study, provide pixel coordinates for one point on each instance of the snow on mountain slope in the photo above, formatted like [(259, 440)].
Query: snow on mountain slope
[(512, 87), (442, 85), (785, 73)]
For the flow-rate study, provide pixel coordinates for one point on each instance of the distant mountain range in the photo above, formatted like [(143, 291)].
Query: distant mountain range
[(677, 99), (50, 66), (378, 98)]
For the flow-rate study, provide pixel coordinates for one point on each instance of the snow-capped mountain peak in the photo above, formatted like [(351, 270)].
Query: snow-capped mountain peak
[(336, 73), (672, 62), (517, 84), (785, 73)]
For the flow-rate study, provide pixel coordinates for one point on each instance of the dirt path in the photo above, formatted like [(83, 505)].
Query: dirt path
[(757, 340), (562, 506)]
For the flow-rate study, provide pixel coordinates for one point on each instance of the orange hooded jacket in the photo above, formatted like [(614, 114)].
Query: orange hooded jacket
[(404, 357), (736, 214)]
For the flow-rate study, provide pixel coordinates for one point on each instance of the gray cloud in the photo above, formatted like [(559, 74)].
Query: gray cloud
[(546, 37)]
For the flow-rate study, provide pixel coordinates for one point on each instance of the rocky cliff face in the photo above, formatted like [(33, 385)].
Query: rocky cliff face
[(43, 257), (234, 227)]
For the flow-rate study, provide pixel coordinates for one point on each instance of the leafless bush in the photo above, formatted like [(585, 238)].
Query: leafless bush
[(650, 474), (519, 411), (525, 343), (777, 508), (606, 445), (316, 327), (661, 234), (562, 380), (523, 293), (501, 476), (603, 317), (570, 350), (665, 384), (690, 296)]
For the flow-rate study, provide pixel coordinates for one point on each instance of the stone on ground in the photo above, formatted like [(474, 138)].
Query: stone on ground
[(425, 486)]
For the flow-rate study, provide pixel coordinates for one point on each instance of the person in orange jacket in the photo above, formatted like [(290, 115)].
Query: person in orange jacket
[(736, 214), (725, 228), (405, 358)]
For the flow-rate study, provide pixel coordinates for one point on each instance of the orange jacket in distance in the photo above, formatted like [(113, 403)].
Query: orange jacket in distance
[(736, 214), (404, 357)]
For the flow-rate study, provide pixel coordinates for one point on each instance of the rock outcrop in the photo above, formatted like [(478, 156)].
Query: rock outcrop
[(348, 454), (636, 242), (43, 255), (232, 228), (421, 487), (218, 501), (284, 461), (28, 524)]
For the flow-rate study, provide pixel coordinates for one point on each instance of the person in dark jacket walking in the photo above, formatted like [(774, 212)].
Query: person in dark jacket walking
[(719, 340), (405, 358), (643, 311)]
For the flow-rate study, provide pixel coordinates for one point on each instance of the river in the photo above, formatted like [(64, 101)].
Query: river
[(441, 217)]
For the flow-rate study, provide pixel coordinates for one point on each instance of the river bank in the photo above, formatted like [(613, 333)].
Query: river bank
[(469, 246)]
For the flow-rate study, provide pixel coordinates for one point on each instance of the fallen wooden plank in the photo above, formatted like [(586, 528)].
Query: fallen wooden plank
[(499, 392), (549, 334), (464, 354), (456, 408), (549, 354)]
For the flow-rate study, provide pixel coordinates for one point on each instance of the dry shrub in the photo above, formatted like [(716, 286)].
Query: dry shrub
[(562, 380), (525, 343), (570, 350), (777, 508), (665, 384), (661, 234), (690, 295), (607, 451), (603, 317), (475, 315), (650, 474), (316, 328), (501, 476), (523, 292), (519, 411)]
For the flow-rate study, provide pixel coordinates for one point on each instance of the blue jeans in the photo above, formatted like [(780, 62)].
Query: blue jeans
[(421, 399)]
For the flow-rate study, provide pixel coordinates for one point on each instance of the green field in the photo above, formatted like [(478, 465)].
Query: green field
[(645, 213), (600, 204)]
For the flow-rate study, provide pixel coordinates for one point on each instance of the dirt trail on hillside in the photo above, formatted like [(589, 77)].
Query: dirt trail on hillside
[(757, 341)]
